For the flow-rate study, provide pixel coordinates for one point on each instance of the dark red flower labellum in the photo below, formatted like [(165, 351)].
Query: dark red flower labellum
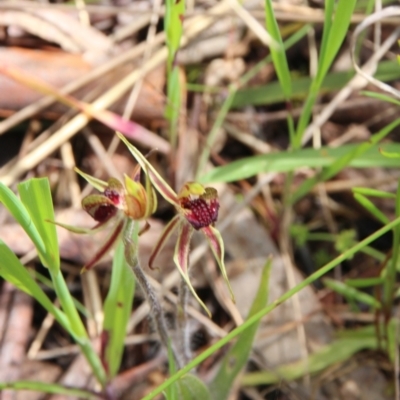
[(201, 211)]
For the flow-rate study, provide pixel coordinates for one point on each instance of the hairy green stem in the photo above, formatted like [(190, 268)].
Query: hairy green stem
[(156, 311), (182, 320)]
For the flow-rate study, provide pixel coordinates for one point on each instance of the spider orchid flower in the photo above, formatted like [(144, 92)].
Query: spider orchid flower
[(116, 204), (197, 208)]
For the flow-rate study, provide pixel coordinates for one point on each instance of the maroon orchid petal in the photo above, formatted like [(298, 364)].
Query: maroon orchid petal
[(217, 246), (181, 258), (115, 191), (168, 230), (201, 211), (106, 247), (99, 207)]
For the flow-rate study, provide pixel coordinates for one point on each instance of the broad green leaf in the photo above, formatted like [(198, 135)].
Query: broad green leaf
[(339, 351), (14, 272), (22, 216), (237, 357), (273, 93), (286, 161), (189, 387), (371, 207), (36, 196), (352, 293), (117, 310), (52, 388)]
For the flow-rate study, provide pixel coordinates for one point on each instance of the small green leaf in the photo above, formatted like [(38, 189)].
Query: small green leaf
[(345, 240), (299, 233), (36, 196)]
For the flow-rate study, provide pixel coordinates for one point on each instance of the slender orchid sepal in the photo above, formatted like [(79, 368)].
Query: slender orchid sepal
[(159, 183), (95, 182), (107, 246), (78, 230), (217, 246), (166, 233), (181, 259)]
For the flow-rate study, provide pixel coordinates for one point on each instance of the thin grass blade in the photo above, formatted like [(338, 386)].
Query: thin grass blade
[(237, 357), (117, 310), (371, 207)]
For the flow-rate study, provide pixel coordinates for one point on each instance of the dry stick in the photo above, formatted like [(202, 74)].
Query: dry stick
[(156, 311), (108, 98), (357, 82)]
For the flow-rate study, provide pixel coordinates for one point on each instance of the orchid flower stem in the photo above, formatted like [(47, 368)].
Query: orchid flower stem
[(182, 318), (130, 236)]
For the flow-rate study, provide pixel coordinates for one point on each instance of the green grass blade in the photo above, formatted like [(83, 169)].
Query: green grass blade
[(273, 93), (352, 293), (228, 103), (371, 208), (342, 162), (174, 14), (339, 351), (22, 216), (286, 161), (260, 314), (14, 272), (236, 358), (391, 270), (117, 310), (336, 32), (333, 36), (36, 197), (51, 388), (364, 282), (278, 54), (373, 192)]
